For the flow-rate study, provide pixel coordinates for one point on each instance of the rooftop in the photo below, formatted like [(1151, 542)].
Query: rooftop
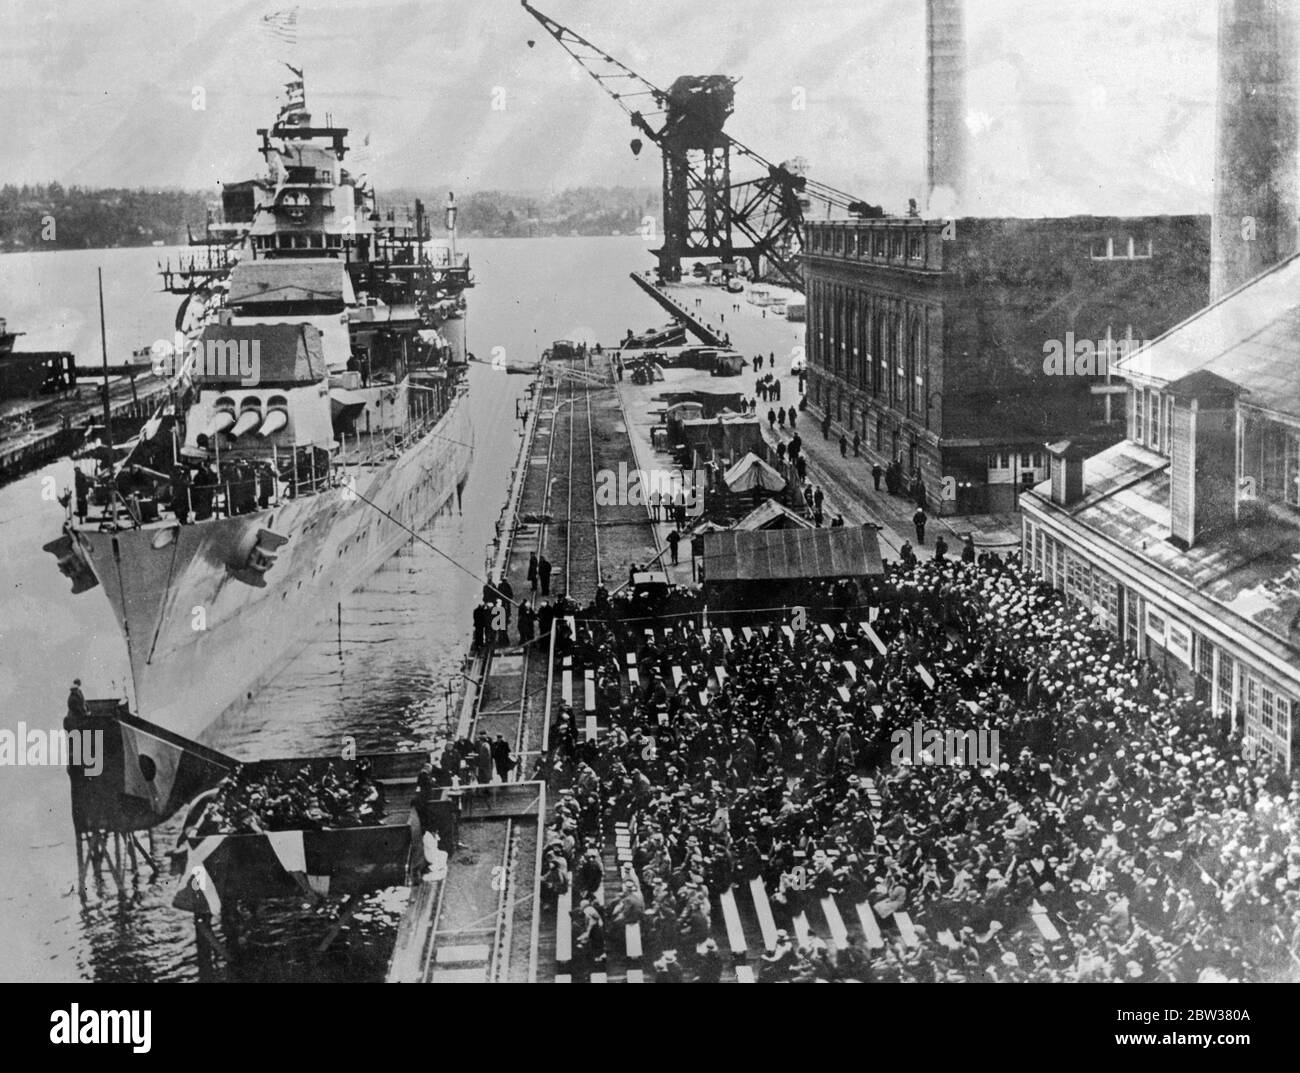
[(1250, 337), (788, 554), (1252, 571)]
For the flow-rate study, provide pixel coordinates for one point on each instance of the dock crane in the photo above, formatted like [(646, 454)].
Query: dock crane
[(706, 214)]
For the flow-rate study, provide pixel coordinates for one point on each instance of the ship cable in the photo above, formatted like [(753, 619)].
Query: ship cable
[(428, 544)]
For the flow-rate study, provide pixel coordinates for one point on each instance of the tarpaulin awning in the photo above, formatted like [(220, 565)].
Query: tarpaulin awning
[(752, 472), (284, 354), (791, 554)]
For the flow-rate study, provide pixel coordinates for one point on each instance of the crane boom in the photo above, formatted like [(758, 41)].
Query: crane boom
[(701, 203)]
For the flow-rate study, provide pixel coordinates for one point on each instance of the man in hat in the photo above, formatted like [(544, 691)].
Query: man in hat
[(710, 963), (76, 701), (668, 970), (501, 757)]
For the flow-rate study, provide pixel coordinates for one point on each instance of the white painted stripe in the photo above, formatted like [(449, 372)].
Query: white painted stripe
[(870, 926), (731, 914), (564, 928), (906, 930), (765, 920), (835, 922)]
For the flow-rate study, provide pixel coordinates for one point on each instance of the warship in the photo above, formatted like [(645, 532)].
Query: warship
[(316, 418)]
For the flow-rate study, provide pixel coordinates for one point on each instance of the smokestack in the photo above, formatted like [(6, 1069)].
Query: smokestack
[(945, 98), (1255, 199)]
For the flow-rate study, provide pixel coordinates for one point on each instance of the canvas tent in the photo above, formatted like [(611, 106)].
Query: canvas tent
[(772, 514), (752, 472)]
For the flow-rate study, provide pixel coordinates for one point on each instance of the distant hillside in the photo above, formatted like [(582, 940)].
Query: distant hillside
[(584, 210), (52, 216)]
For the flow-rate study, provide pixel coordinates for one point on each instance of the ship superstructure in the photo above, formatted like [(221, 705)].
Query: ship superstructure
[(317, 418)]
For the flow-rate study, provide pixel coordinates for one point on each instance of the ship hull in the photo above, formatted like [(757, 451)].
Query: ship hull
[(201, 639)]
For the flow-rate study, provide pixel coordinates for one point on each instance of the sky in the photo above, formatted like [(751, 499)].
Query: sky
[(1092, 106)]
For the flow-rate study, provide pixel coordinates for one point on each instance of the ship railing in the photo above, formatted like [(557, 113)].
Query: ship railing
[(369, 449), (280, 478)]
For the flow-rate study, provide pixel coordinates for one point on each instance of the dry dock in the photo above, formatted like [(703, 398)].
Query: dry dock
[(481, 923)]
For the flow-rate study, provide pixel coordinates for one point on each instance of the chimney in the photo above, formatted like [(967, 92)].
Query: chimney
[(1067, 472), (945, 98), (1254, 224), (1202, 458)]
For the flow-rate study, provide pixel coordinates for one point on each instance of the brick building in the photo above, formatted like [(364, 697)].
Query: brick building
[(928, 337)]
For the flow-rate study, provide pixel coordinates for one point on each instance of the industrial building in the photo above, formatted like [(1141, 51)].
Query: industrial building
[(930, 338)]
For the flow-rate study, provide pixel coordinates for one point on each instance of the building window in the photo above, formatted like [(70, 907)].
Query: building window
[(1204, 660), (1292, 470), (1153, 421), (1226, 693), (1268, 709), (896, 245), (1121, 248), (1078, 580), (1039, 544), (914, 248), (1106, 601), (918, 370), (1133, 620)]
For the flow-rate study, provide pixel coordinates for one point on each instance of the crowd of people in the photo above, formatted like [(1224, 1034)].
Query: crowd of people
[(251, 801), (1115, 810)]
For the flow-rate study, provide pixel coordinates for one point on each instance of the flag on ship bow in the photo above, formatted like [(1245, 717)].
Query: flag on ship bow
[(149, 773)]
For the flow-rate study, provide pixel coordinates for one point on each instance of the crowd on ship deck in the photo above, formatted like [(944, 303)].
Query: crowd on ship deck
[(197, 491), (1122, 810)]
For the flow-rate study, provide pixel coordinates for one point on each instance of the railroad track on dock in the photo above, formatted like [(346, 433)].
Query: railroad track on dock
[(572, 487), (490, 935)]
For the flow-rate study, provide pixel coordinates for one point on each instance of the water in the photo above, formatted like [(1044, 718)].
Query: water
[(404, 633)]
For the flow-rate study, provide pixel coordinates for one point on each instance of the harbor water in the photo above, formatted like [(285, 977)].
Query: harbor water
[(383, 673)]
